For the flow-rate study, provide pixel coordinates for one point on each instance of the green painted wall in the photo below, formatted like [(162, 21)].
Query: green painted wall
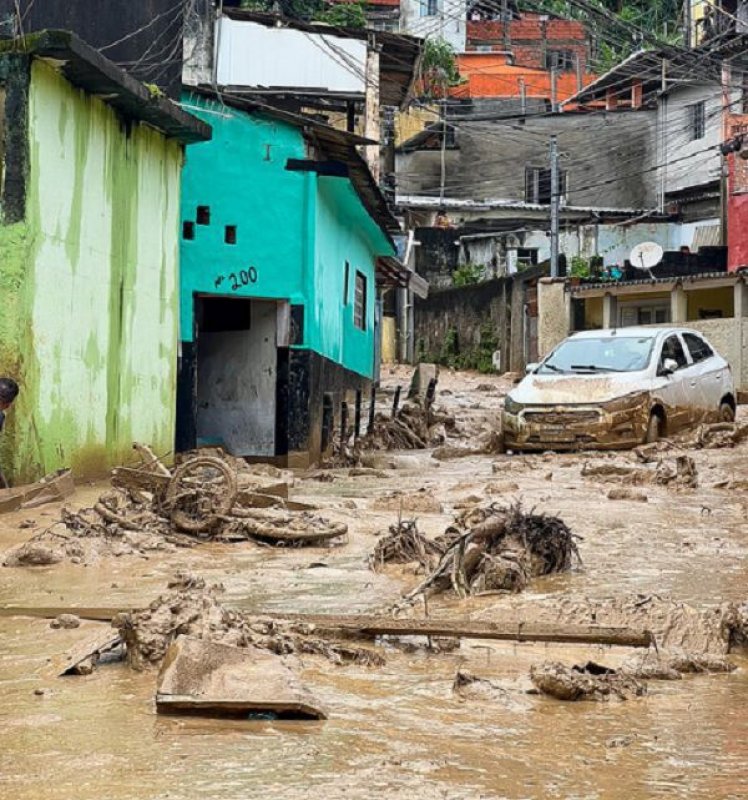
[(295, 231), (91, 278)]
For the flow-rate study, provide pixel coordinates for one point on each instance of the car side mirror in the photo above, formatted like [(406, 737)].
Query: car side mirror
[(669, 366), (531, 368)]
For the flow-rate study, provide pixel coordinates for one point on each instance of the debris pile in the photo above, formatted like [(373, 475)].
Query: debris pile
[(677, 627), (492, 548), (656, 468), (153, 508), (416, 425), (193, 608), (405, 544), (588, 681), (593, 681), (716, 435)]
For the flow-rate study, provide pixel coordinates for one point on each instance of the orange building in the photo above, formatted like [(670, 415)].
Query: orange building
[(494, 75)]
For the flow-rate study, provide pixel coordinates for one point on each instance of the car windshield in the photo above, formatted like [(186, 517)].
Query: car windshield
[(608, 354)]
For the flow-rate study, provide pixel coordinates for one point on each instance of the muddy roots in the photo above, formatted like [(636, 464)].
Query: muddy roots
[(491, 548), (405, 544)]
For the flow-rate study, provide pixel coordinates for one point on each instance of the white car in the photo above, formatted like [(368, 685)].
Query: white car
[(618, 388)]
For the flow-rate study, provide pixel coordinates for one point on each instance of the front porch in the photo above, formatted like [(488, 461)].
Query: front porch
[(716, 304)]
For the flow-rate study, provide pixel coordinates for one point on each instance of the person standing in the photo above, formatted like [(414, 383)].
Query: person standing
[(8, 393)]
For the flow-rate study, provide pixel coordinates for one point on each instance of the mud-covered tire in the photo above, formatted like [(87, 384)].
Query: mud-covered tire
[(726, 413), (654, 429), (218, 505)]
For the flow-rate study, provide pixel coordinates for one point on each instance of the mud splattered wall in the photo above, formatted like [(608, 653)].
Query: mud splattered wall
[(90, 278)]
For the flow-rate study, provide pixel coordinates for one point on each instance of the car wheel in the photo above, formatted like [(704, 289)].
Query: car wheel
[(654, 429), (726, 413)]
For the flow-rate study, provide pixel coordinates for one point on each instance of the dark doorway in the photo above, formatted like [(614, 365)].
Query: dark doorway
[(236, 374)]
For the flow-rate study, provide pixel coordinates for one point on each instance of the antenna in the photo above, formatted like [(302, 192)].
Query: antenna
[(645, 256)]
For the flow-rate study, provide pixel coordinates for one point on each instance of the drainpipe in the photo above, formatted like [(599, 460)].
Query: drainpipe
[(310, 251)]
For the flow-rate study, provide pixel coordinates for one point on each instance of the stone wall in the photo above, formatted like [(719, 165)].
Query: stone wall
[(464, 326)]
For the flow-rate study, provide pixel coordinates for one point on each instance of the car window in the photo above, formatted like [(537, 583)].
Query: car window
[(698, 348), (672, 348), (606, 354)]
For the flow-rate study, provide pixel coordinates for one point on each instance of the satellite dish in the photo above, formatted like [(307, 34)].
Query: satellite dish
[(646, 255)]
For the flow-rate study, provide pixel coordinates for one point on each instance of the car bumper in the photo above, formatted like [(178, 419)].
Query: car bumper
[(593, 427)]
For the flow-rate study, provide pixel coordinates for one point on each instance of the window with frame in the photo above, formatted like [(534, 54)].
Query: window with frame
[(429, 8), (526, 257), (698, 348), (359, 302), (560, 60), (673, 349), (697, 120), (538, 185)]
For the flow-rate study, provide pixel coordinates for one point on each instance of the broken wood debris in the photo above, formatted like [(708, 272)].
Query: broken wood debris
[(404, 544), (153, 508), (494, 548)]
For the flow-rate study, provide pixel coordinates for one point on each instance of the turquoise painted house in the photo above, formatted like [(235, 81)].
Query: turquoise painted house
[(285, 242)]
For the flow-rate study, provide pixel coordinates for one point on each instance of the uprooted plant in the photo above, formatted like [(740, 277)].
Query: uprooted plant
[(405, 544), (495, 548)]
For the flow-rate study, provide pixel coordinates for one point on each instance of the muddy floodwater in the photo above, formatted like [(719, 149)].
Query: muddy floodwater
[(398, 731)]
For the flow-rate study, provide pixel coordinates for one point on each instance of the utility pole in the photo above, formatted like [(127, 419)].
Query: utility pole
[(555, 203), (687, 23)]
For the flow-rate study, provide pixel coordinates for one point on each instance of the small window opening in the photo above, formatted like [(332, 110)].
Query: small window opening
[(230, 235), (188, 230), (346, 282), (359, 300), (203, 215)]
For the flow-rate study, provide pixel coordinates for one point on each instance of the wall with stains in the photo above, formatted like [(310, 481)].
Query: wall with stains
[(90, 278)]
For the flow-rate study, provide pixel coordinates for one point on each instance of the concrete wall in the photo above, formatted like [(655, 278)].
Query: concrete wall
[(696, 164), (475, 320), (553, 315), (448, 23), (594, 148), (142, 36), (89, 287), (465, 315)]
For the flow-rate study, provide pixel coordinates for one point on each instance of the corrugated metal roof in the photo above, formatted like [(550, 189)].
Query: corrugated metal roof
[(703, 276), (419, 201)]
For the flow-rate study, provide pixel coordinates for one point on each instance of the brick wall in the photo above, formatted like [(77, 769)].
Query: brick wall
[(528, 38)]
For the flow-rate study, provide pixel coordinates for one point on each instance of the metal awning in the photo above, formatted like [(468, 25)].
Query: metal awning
[(393, 273)]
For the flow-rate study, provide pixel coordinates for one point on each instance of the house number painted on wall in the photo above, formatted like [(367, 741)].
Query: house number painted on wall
[(244, 277)]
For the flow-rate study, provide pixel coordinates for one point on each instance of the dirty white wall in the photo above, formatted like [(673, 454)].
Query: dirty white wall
[(250, 54), (553, 314)]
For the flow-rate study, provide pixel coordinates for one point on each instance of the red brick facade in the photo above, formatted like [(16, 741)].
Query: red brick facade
[(532, 40)]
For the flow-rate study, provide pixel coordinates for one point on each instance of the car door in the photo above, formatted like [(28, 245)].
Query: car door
[(672, 387), (707, 376)]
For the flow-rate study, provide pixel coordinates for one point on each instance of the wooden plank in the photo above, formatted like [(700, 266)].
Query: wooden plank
[(467, 629), (369, 625), (100, 614)]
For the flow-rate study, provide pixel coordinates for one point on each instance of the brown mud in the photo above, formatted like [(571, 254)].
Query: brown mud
[(400, 730)]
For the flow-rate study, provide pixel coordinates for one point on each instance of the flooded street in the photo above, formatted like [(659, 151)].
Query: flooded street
[(399, 731)]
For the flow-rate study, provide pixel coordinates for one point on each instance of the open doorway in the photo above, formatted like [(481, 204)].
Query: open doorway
[(237, 374)]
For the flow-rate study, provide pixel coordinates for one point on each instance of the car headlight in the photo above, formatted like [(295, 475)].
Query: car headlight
[(625, 403), (512, 406)]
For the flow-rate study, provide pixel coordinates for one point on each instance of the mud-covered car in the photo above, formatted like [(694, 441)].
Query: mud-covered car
[(618, 388)]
